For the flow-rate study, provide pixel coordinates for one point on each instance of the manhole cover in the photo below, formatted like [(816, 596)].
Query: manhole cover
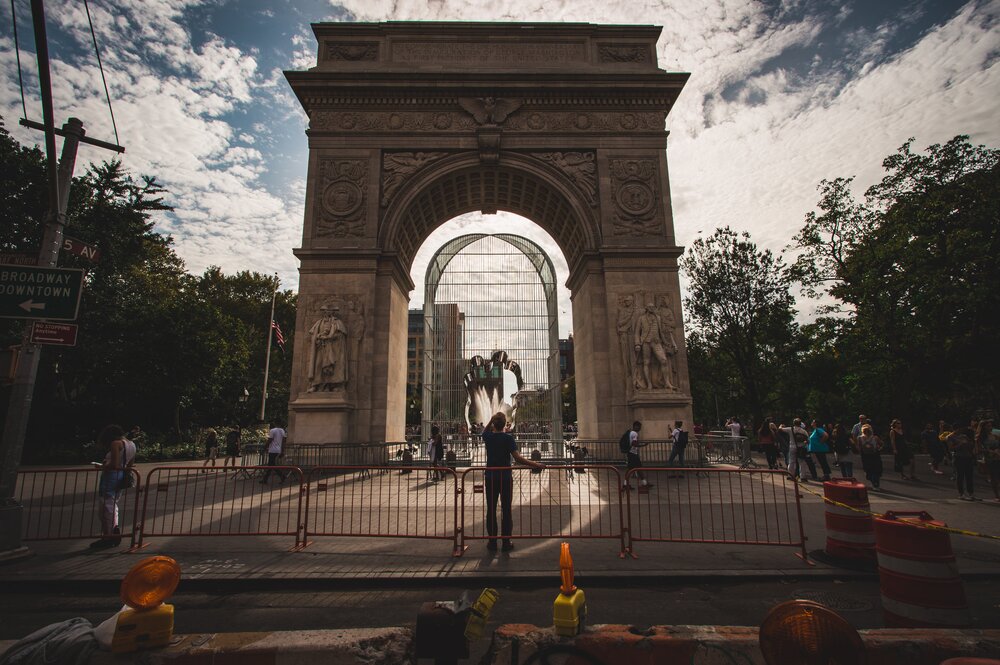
[(833, 600)]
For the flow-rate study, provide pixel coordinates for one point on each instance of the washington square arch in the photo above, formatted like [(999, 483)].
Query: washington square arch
[(412, 124)]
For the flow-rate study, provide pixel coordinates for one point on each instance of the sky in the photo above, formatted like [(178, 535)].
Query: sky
[(782, 94)]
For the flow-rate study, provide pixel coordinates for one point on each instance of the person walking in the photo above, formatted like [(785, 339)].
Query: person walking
[(211, 448), (435, 452), (632, 460), (932, 443), (903, 457), (870, 447), (768, 443), (234, 439), (117, 462), (843, 448), (275, 448), (500, 448), (962, 444), (798, 439), (680, 442), (819, 447)]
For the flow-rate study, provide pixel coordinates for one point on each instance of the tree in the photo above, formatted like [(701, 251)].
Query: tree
[(915, 269), (741, 309)]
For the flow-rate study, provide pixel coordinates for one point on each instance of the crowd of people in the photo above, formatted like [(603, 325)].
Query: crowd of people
[(965, 447)]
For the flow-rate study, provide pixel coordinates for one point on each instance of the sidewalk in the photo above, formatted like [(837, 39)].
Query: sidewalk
[(367, 560)]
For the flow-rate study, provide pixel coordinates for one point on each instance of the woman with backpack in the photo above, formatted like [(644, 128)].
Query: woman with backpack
[(870, 447), (768, 443)]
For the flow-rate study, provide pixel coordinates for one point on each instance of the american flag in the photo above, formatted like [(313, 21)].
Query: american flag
[(277, 335)]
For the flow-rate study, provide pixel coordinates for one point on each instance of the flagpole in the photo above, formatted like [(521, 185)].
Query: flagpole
[(267, 357)]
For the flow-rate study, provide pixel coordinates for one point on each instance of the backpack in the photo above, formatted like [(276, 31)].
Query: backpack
[(625, 443), (800, 438), (682, 439)]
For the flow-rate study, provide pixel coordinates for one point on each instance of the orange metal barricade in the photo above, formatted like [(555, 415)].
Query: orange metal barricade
[(557, 502), (730, 506), (62, 504), (351, 501), (200, 501)]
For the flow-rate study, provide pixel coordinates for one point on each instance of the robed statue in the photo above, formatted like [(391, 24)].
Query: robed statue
[(327, 352)]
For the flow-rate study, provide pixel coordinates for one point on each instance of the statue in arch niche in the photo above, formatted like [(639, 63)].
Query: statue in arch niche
[(328, 361), (647, 342)]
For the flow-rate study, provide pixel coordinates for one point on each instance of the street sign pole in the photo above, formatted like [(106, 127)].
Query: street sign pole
[(23, 388)]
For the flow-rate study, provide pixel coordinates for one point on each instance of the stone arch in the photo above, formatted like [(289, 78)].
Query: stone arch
[(412, 124), (522, 184)]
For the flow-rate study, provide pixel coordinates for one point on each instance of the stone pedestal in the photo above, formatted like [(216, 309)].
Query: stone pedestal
[(658, 411), (321, 418)]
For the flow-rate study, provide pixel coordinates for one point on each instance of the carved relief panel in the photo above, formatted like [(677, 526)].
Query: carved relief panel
[(335, 332), (579, 167), (646, 325), (635, 197), (342, 196), (398, 167)]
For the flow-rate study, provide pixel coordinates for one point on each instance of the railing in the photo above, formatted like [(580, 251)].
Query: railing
[(419, 504), (199, 501), (685, 505), (557, 502), (731, 506), (62, 504)]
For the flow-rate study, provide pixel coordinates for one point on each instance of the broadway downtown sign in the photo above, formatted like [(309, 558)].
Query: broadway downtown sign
[(40, 293)]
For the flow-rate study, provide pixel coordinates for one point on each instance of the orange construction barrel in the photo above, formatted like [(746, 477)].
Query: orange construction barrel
[(917, 573), (849, 534)]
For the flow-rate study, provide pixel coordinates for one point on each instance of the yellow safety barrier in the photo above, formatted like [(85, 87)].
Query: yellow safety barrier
[(923, 525)]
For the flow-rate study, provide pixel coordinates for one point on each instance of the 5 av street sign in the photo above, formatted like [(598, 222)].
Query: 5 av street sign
[(40, 293)]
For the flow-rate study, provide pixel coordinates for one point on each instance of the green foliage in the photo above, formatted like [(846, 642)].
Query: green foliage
[(156, 345), (916, 269), (741, 315)]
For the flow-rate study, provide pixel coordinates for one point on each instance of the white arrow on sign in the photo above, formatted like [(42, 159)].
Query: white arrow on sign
[(29, 305)]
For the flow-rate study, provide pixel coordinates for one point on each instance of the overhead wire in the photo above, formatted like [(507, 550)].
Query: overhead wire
[(100, 66), (17, 52)]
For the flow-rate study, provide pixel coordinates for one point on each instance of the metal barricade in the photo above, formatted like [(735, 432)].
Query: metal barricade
[(557, 502), (63, 504), (339, 502), (731, 506), (199, 501)]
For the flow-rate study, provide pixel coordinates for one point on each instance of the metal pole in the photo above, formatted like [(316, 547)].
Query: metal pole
[(267, 357), (59, 179)]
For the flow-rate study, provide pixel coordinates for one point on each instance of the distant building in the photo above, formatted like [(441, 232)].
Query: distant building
[(414, 349), (567, 368)]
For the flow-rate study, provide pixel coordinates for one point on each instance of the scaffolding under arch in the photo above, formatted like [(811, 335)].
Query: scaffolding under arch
[(491, 337)]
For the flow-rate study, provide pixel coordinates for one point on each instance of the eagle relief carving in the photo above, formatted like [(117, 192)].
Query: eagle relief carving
[(489, 111)]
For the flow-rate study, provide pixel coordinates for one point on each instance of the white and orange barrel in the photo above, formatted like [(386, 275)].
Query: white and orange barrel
[(917, 573), (850, 534)]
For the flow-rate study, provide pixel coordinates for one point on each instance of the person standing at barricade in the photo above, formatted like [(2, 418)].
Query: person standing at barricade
[(275, 448), (962, 443), (843, 448), (902, 455), (233, 440), (870, 447), (500, 448), (767, 442), (680, 438), (117, 461), (934, 446), (435, 452), (819, 447)]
